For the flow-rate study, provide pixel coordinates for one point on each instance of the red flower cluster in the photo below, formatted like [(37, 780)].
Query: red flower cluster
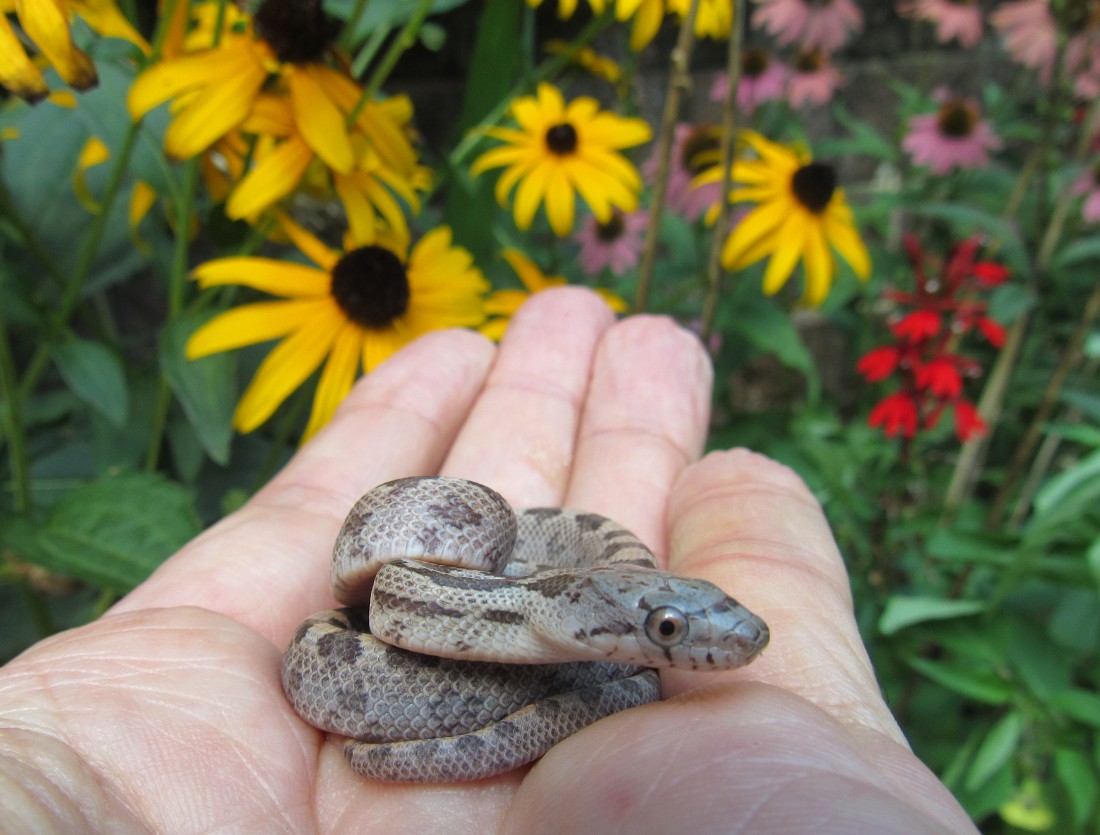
[(943, 309)]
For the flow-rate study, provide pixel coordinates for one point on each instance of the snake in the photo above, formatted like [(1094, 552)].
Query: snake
[(472, 637)]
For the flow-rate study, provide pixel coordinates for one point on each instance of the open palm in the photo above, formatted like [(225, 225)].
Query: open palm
[(167, 714)]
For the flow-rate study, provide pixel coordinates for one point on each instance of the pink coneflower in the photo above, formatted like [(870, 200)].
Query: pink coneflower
[(954, 137), (959, 19), (824, 24), (615, 245), (813, 79), (1083, 61), (1029, 33), (691, 146), (763, 78), (1088, 184)]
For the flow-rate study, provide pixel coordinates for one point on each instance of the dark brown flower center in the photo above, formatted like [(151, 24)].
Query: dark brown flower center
[(700, 150), (612, 230), (809, 61), (813, 185), (562, 139), (754, 62), (957, 118), (298, 30), (371, 286)]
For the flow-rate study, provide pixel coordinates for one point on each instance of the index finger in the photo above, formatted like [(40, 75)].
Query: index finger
[(752, 527)]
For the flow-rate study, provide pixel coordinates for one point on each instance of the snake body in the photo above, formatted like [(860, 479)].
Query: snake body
[(474, 638)]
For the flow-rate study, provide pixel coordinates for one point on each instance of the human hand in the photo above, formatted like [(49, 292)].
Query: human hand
[(167, 714)]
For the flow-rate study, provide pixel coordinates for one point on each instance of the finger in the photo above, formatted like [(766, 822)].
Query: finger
[(752, 527), (644, 421), (520, 436), (267, 564)]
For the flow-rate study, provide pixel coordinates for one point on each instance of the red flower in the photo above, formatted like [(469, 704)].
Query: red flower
[(879, 364), (993, 332), (896, 413), (990, 274), (917, 326), (968, 423), (940, 377)]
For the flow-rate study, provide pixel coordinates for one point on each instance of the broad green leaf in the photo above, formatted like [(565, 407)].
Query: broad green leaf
[(1069, 493), (770, 329), (973, 684), (95, 375), (1010, 301), (969, 546), (206, 388), (901, 612), (1082, 250), (1078, 778), (1075, 622), (112, 533), (1093, 558), (967, 220), (1080, 705), (996, 749)]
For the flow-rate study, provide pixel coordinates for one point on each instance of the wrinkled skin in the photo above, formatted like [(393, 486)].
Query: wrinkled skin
[(167, 714)]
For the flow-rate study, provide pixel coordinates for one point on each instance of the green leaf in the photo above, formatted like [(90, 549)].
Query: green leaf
[(111, 533), (1093, 558), (968, 220), (1080, 705), (1068, 493), (771, 329), (95, 375), (1074, 253), (206, 388), (996, 749), (973, 684), (1078, 778), (901, 612)]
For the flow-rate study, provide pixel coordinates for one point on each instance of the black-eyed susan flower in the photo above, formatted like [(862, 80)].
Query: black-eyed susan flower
[(559, 150), (503, 304), (46, 25), (350, 310), (800, 214), (212, 91)]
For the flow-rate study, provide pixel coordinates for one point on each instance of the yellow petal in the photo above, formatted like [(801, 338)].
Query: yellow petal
[(312, 248), (273, 178), (320, 122), (104, 18), (647, 22), (759, 226), (93, 153), (848, 243), (286, 368), (142, 199), (560, 202), (251, 324), (791, 239), (45, 23), (818, 266), (379, 345), (168, 79), (530, 193), (279, 278), (17, 72), (215, 110), (337, 377)]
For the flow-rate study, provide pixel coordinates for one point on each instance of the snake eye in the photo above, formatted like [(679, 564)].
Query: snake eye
[(666, 626)]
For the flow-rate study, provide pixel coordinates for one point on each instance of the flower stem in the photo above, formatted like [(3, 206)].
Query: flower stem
[(404, 41), (679, 79), (725, 162), (11, 406)]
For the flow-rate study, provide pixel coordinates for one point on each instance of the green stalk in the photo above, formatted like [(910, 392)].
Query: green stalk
[(729, 143), (11, 407), (356, 13), (679, 79), (404, 41)]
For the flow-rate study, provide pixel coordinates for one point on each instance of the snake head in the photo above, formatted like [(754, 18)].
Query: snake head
[(663, 620)]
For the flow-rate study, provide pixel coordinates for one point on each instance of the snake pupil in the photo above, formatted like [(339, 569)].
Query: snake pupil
[(666, 626)]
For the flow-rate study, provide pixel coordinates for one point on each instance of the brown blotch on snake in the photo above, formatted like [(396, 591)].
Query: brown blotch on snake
[(454, 674)]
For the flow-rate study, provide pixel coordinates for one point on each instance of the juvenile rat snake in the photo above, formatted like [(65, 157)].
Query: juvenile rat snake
[(457, 673)]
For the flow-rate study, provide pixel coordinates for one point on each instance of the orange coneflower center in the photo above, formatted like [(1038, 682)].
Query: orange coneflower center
[(699, 150), (754, 62), (298, 30), (612, 230), (561, 139), (371, 286), (813, 185), (957, 118)]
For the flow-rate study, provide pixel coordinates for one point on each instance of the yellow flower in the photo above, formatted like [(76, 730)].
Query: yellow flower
[(800, 213), (46, 24), (713, 19), (354, 308), (503, 304), (588, 59), (560, 150), (623, 8)]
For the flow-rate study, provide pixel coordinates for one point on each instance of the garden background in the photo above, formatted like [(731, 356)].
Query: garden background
[(900, 296)]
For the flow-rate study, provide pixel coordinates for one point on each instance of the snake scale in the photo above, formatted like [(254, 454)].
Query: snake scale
[(474, 637)]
